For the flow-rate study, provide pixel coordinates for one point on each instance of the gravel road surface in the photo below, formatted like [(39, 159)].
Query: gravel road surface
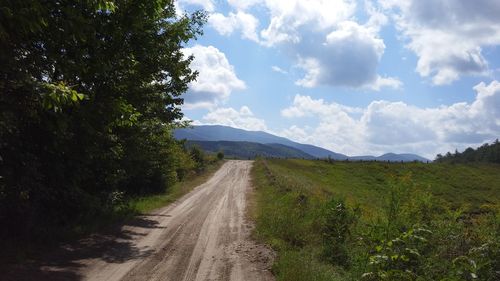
[(205, 235)]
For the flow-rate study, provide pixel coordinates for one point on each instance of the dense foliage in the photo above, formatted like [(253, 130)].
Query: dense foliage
[(89, 94), (485, 153), (410, 233)]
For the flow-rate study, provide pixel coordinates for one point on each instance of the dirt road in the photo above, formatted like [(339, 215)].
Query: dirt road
[(202, 236)]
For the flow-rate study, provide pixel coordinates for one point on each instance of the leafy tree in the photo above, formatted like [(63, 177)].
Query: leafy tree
[(439, 157), (198, 157), (485, 153), (89, 93), (220, 155)]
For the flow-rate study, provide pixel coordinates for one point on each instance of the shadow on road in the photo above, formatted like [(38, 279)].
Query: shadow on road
[(64, 261)]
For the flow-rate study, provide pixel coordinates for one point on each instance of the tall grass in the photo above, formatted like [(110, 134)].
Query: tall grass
[(409, 234)]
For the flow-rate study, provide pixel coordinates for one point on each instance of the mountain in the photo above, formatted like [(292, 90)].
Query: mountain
[(363, 158), (319, 152), (217, 133), (405, 157), (224, 133), (244, 149), (391, 157)]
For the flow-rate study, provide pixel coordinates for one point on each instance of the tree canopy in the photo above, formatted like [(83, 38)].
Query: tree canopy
[(89, 93), (485, 153)]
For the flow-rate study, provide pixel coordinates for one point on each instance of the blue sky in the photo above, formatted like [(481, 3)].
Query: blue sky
[(356, 77)]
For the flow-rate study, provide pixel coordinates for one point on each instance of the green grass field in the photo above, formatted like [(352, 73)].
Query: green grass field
[(461, 185), (379, 221)]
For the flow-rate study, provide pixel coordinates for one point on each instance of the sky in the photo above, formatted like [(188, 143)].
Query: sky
[(356, 77)]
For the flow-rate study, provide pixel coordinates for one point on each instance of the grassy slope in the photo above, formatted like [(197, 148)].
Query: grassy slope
[(364, 183), (290, 197)]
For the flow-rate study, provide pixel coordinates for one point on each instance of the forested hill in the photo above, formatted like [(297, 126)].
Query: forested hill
[(225, 133), (245, 149), (485, 153)]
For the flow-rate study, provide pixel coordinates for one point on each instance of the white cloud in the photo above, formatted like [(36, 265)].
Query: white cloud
[(207, 5), (243, 4), (307, 106), (216, 80), (278, 69), (242, 118), (385, 82), (330, 47), (348, 57), (242, 21), (287, 17), (295, 132), (377, 17), (322, 37), (448, 35), (395, 126)]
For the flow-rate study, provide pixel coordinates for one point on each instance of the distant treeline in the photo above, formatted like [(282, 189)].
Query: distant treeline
[(485, 153)]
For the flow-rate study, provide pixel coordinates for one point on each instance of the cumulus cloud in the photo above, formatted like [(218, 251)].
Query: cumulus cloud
[(216, 80), (377, 17), (349, 57), (242, 21), (206, 5), (322, 37), (278, 69), (330, 47), (383, 82), (243, 4), (448, 35), (288, 17), (242, 118), (395, 126), (307, 106)]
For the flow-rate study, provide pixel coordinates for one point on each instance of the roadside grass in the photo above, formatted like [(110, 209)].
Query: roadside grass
[(379, 221), (131, 207), (147, 204)]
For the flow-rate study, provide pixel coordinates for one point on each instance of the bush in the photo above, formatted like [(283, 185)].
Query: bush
[(399, 258), (336, 230), (220, 155), (198, 156)]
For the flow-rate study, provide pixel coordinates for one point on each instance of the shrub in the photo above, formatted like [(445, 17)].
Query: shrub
[(336, 230), (198, 156), (220, 155), (400, 257)]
